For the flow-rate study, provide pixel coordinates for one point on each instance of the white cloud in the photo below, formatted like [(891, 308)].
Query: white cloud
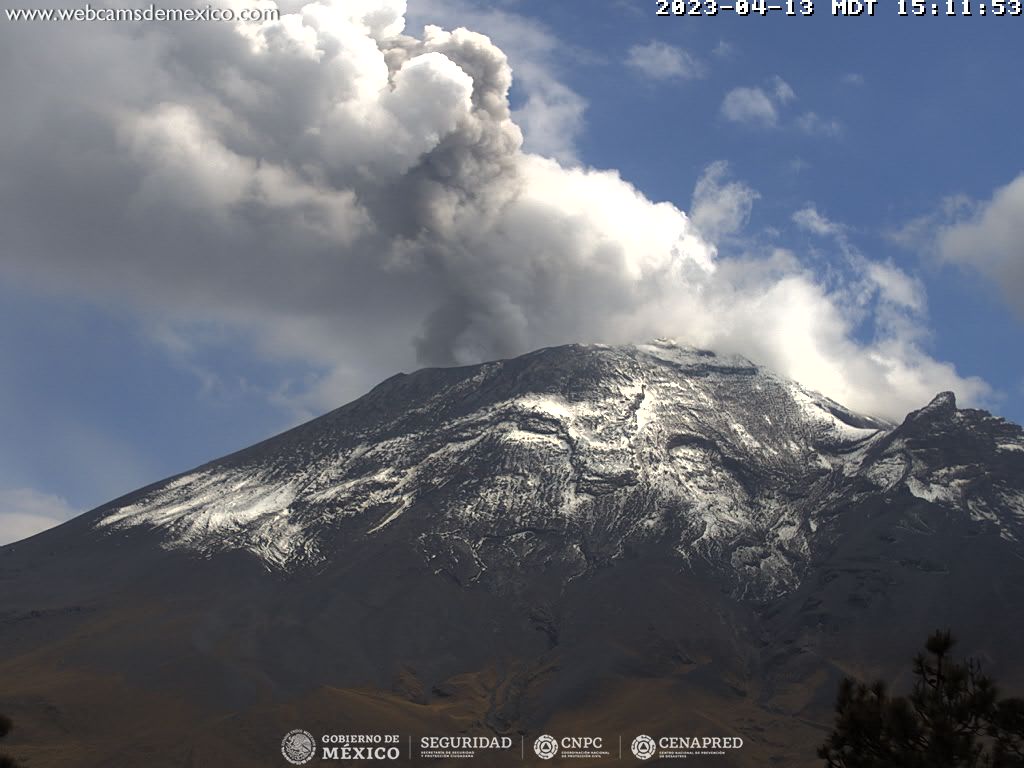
[(780, 313), (813, 124), (749, 105), (661, 61), (767, 106), (782, 90), (360, 201), (811, 220), (720, 207), (896, 287), (919, 233), (893, 287), (25, 512), (757, 105), (853, 78), (894, 304), (724, 50), (552, 119), (990, 239)]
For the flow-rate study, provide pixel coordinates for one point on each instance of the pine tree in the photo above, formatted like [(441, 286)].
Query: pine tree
[(5, 728), (953, 718)]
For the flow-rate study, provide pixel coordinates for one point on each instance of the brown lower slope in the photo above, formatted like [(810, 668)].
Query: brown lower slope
[(116, 653), (76, 720), (160, 660)]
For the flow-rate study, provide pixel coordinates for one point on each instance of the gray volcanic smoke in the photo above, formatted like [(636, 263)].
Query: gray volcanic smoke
[(331, 189)]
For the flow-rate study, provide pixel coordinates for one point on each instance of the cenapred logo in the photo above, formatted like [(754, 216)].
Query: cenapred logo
[(546, 747), (643, 747), (298, 746)]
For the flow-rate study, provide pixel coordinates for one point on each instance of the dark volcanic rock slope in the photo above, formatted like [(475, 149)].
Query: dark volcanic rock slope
[(587, 534)]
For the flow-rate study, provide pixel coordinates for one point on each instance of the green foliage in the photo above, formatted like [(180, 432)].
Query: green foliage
[(953, 718), (5, 728)]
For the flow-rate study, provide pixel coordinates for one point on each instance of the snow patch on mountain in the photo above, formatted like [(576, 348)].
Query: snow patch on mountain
[(568, 455), (239, 507)]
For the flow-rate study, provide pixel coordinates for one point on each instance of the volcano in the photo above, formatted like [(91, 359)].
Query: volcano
[(585, 541)]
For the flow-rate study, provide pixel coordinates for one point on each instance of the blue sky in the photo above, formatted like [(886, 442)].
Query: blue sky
[(201, 248)]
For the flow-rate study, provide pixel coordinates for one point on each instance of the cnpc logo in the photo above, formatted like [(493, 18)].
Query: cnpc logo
[(547, 747)]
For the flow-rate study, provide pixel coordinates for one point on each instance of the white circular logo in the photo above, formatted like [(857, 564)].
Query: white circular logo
[(546, 747), (298, 747), (644, 747)]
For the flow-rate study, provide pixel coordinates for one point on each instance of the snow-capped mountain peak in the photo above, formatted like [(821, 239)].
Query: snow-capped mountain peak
[(570, 458)]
